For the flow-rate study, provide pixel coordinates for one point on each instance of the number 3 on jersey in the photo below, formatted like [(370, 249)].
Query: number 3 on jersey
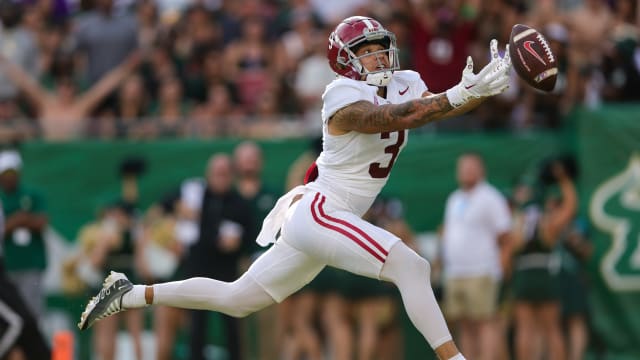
[(380, 172)]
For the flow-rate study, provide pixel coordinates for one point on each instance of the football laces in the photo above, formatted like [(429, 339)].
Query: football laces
[(545, 47)]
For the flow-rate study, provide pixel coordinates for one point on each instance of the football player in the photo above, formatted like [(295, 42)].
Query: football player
[(367, 111)]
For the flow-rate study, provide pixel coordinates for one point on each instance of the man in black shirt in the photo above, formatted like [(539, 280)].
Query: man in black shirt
[(226, 232)]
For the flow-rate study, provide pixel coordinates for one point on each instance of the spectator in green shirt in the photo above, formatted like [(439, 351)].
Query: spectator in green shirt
[(24, 246)]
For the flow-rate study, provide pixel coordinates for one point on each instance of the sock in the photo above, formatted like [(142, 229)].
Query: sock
[(458, 357), (134, 298)]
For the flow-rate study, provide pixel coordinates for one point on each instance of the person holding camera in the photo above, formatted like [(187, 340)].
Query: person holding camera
[(535, 285)]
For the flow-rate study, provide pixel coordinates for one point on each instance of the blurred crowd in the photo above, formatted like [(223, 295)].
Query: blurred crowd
[(257, 68)]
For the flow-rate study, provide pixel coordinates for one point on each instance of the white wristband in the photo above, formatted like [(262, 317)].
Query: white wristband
[(458, 357), (456, 96)]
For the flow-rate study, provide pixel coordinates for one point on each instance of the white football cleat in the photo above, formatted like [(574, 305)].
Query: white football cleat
[(108, 301)]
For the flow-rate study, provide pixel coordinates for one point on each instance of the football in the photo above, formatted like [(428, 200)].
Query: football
[(532, 58)]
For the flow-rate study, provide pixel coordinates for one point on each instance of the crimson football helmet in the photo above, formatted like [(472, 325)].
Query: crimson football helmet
[(344, 41)]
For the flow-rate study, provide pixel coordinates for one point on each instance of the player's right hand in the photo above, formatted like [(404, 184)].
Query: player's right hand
[(493, 79)]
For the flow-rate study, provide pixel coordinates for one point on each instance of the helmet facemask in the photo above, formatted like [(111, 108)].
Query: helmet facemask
[(387, 39)]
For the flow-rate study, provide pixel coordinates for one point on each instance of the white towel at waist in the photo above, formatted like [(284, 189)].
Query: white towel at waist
[(273, 221)]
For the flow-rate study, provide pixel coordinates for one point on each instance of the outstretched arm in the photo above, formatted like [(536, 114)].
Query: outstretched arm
[(107, 83), (365, 117), (462, 109), (35, 93), (473, 89)]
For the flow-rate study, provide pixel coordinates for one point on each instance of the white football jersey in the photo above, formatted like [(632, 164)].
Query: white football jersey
[(356, 163)]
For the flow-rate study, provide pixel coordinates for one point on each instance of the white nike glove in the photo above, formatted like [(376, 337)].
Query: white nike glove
[(492, 80)]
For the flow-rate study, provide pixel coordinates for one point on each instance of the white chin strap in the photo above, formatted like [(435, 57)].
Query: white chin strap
[(381, 78)]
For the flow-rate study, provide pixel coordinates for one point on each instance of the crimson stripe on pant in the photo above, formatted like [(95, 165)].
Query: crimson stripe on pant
[(352, 227), (342, 231)]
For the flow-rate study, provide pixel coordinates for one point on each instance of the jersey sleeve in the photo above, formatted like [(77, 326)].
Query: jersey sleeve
[(339, 94)]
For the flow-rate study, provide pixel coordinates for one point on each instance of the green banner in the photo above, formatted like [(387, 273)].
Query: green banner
[(609, 155)]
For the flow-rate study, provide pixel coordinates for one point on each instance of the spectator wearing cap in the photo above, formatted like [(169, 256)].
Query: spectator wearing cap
[(26, 221), (20, 338)]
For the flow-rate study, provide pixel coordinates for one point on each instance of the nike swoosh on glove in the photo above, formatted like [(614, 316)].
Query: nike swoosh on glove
[(492, 80)]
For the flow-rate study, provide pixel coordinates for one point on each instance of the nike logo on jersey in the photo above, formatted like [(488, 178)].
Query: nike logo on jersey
[(529, 48), (402, 92), (469, 86)]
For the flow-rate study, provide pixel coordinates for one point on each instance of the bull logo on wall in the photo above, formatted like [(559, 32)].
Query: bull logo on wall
[(615, 211)]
